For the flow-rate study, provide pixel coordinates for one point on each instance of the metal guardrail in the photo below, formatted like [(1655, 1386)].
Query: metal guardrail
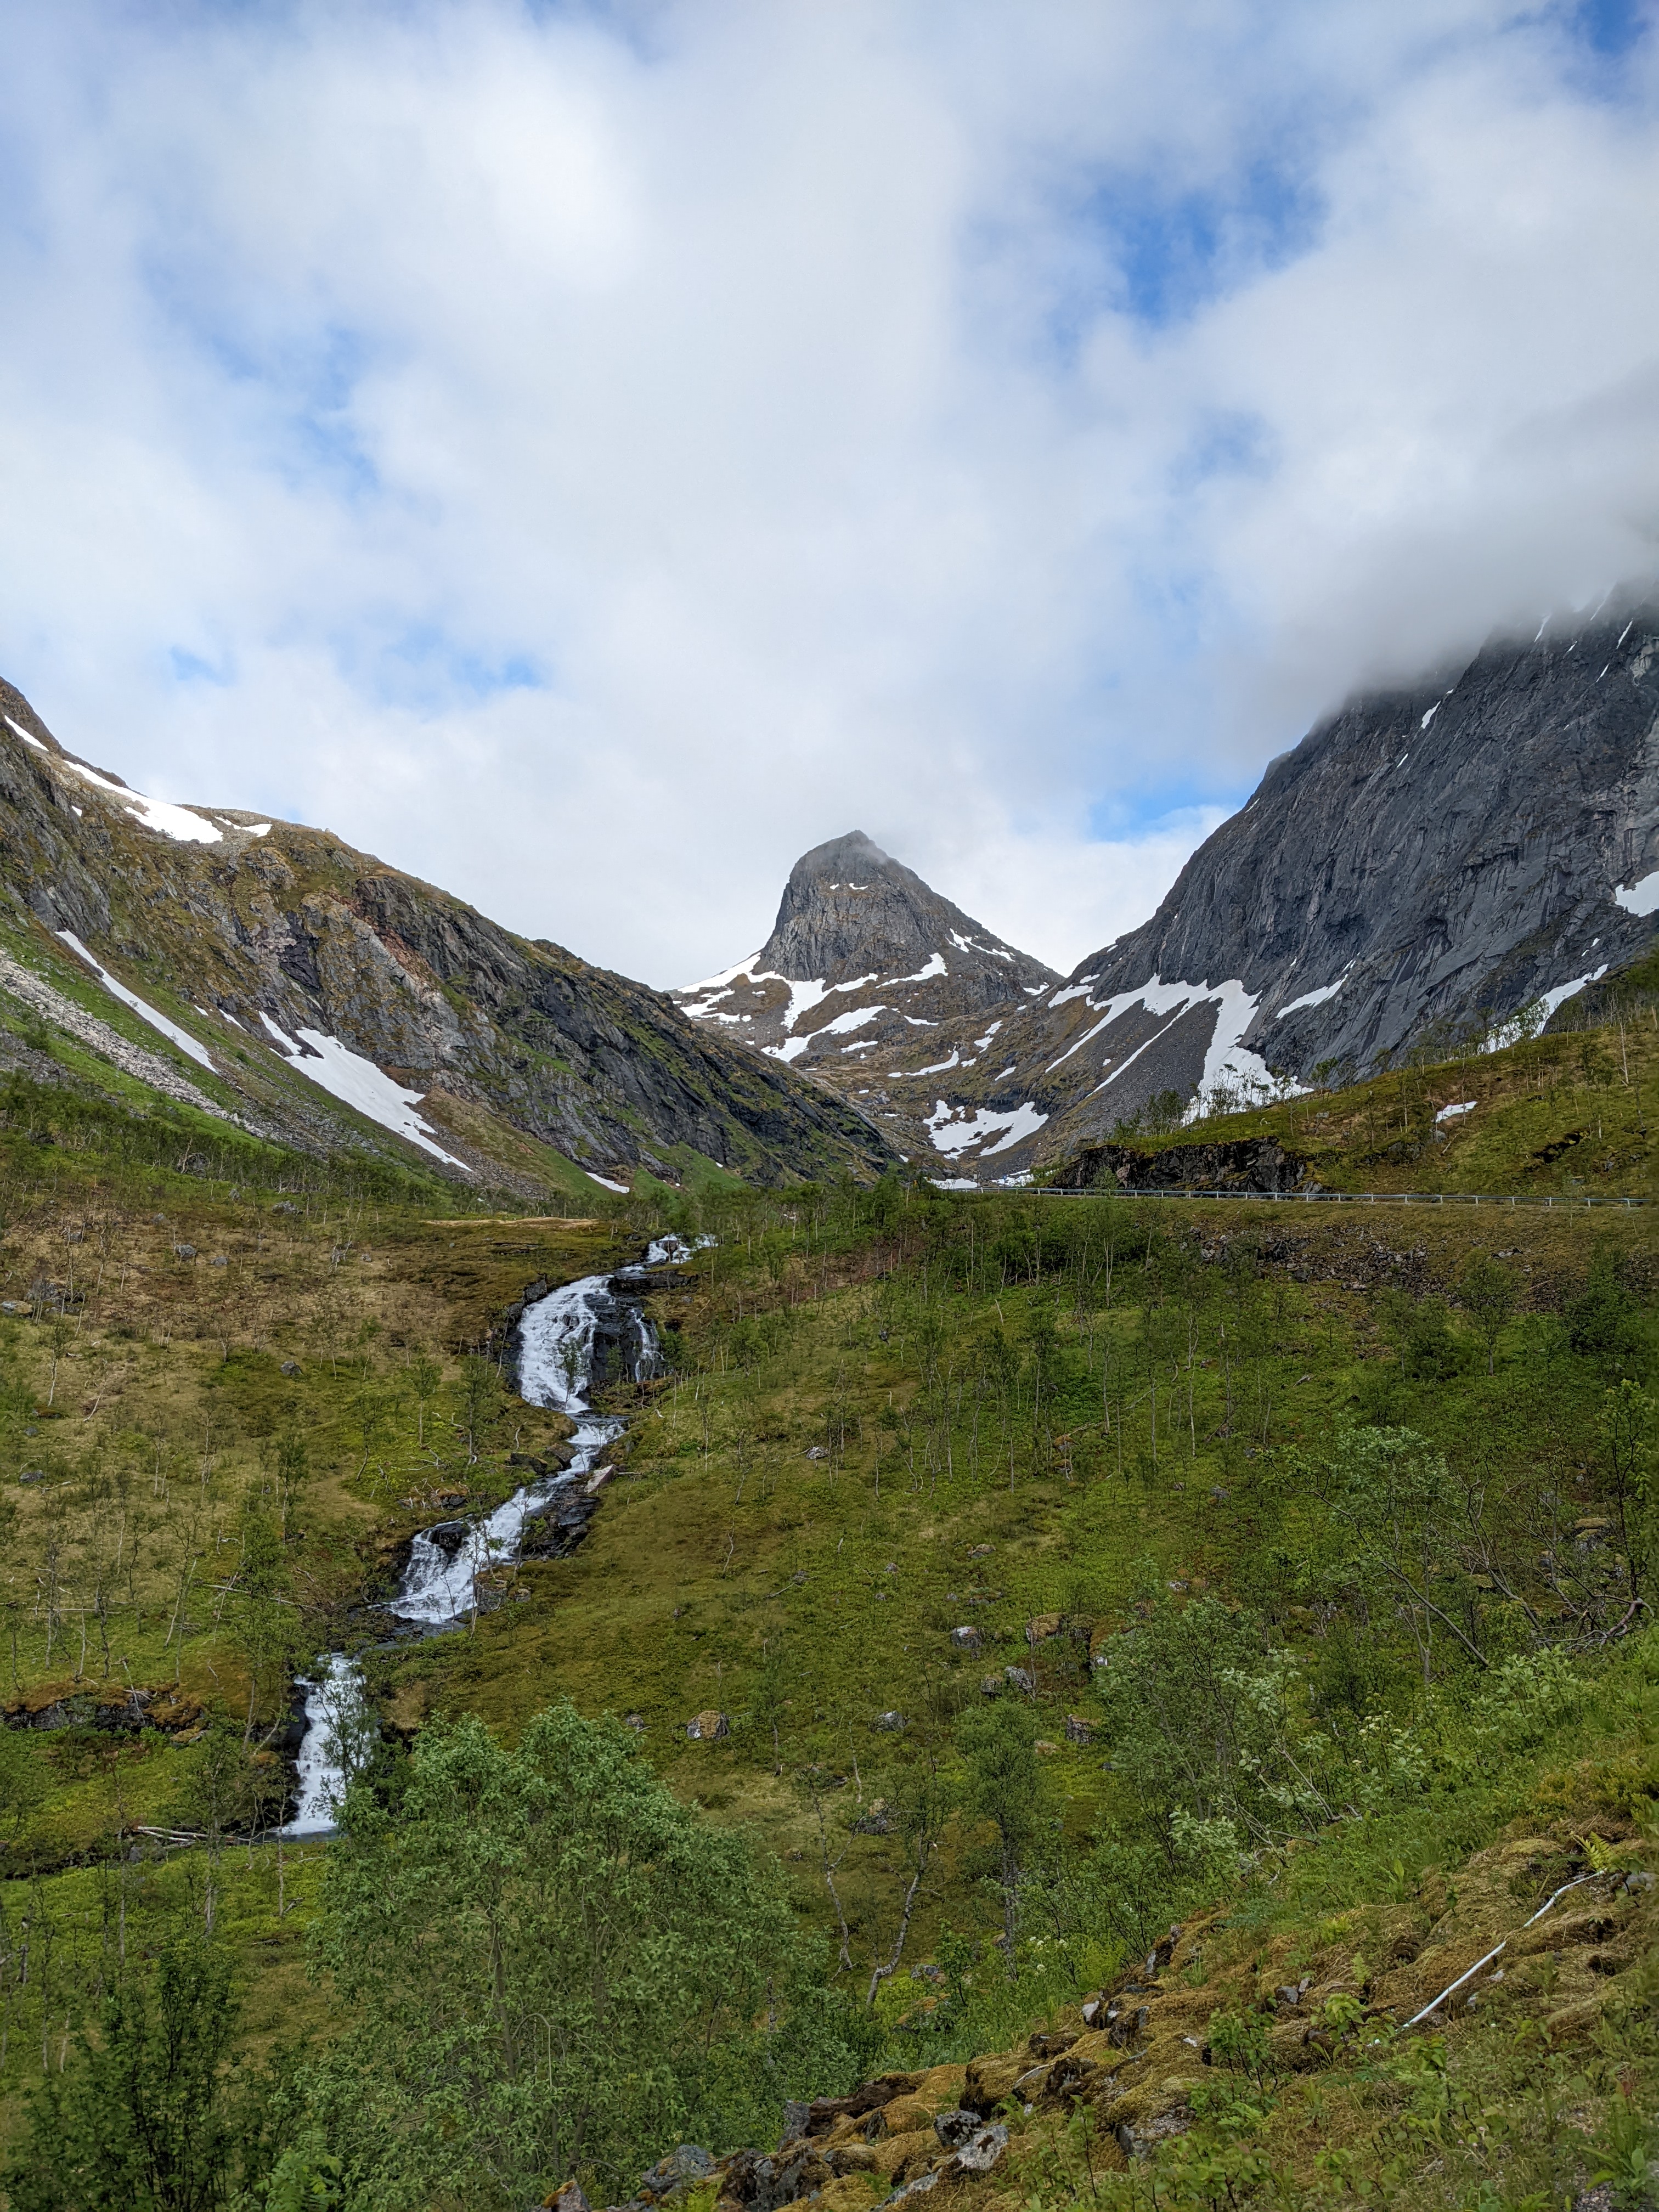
[(1346, 1197)]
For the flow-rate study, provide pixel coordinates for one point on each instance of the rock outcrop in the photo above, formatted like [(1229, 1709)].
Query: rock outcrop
[(1250, 1164)]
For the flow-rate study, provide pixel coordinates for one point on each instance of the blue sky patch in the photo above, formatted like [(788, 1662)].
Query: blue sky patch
[(1164, 254), (191, 668), (1239, 444), (1610, 26), (424, 668)]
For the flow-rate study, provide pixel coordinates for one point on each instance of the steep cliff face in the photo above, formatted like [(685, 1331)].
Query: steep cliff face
[(1437, 858), (314, 992), (865, 958), (1426, 862)]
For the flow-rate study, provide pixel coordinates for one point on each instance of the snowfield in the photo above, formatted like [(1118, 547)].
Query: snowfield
[(355, 1081), (951, 1136), (159, 814)]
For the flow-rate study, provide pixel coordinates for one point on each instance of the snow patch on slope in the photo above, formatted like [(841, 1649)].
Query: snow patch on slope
[(355, 1081), (1227, 1064), (118, 989), (1313, 997), (1511, 1031), (1640, 898), (159, 814), (951, 1136), (935, 966)]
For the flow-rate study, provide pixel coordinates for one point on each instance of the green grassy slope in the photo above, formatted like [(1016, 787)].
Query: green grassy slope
[(893, 1415), (1562, 1115)]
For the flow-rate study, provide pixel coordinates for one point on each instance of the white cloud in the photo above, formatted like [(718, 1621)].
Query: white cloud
[(576, 456)]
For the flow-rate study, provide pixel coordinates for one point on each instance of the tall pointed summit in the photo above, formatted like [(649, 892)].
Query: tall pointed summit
[(863, 955)]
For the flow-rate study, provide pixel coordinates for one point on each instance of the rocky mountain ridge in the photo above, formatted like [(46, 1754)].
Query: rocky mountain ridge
[(270, 974), (1428, 864)]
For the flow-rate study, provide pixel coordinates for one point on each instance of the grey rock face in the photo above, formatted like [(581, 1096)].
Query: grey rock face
[(848, 909), (1249, 1163), (1426, 863), (883, 957), (1437, 856)]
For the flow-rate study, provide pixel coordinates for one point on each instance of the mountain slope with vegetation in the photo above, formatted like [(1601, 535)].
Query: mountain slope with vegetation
[(268, 973), (1038, 1574)]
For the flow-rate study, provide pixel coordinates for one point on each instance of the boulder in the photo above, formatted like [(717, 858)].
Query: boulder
[(850, 2192), (966, 1638), (826, 2115), (1000, 2075), (760, 2184), (1020, 1678), (902, 2157), (707, 1727), (1043, 1626), (566, 2197), (797, 2112), (919, 2187), (1148, 2114), (891, 1723), (907, 2115), (1078, 1730), (681, 2169), (955, 2127), (983, 2151), (941, 2086)]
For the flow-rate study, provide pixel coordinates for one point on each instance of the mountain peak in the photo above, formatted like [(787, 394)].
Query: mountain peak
[(840, 856), (862, 943)]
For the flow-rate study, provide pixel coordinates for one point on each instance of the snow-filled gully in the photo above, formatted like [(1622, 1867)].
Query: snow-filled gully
[(559, 1336)]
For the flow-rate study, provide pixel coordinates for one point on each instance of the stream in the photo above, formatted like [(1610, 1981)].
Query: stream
[(574, 1340)]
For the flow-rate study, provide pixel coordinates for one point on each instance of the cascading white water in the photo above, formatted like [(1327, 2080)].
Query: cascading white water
[(336, 1724), (556, 1339)]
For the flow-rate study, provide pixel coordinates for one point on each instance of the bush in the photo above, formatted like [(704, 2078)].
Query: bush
[(152, 2115), (548, 1961), (1604, 1322)]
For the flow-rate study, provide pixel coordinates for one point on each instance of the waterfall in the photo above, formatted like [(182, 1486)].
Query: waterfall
[(337, 1724), (574, 1337)]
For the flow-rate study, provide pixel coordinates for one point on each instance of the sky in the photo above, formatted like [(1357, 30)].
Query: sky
[(587, 454)]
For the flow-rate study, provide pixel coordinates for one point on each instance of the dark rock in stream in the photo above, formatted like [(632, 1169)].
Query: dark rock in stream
[(553, 1529), (449, 1535)]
